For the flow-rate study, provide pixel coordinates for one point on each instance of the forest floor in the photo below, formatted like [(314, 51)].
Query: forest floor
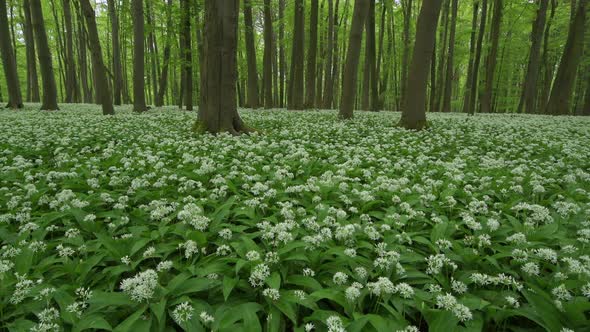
[(134, 221)]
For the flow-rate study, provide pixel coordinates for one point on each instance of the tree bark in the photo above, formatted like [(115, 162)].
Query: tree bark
[(414, 107), (102, 80), (268, 56), (528, 98), (448, 88), (252, 98), (282, 62), (163, 84), (561, 93), (117, 68), (407, 13), (473, 91), (349, 78), (187, 54), (311, 56), (328, 80), (219, 112), (370, 72), (49, 101), (472, 46), (8, 61), (70, 64), (32, 78), (487, 96), (297, 57), (138, 57)]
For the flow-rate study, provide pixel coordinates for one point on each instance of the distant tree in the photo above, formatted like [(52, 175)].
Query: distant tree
[(472, 91), (268, 56), (102, 81), (491, 59), (71, 85), (139, 104), (9, 61), (186, 48), (561, 93), (218, 112), (163, 83), (349, 78), (414, 106), (49, 101), (117, 66), (32, 77), (252, 98), (296, 87), (448, 86), (310, 80)]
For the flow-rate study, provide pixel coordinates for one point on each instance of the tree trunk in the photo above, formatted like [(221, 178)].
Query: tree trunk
[(297, 57), (528, 102), (282, 62), (153, 51), (268, 55), (219, 112), (138, 57), (8, 61), (49, 101), (473, 92), (328, 81), (487, 96), (349, 78), (440, 74), (407, 11), (548, 65), (187, 54), (82, 59), (97, 62), (32, 78), (586, 108), (311, 57), (448, 88), (252, 96), (468, 88), (117, 68), (414, 107), (163, 84), (70, 64), (369, 79), (561, 93)]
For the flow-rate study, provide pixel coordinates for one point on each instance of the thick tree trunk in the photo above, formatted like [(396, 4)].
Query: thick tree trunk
[(117, 68), (328, 81), (369, 100), (414, 107), (268, 56), (297, 57), (138, 57), (528, 100), (252, 98), (349, 78), (163, 84), (219, 112), (102, 80), (448, 88), (187, 54), (8, 61), (487, 95), (32, 78), (468, 88), (310, 81), (561, 93), (49, 101), (473, 92)]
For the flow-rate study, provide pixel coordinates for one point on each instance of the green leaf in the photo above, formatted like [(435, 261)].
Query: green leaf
[(228, 286), (94, 322)]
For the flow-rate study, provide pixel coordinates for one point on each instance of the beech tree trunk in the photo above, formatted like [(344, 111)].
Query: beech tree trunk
[(32, 78), (8, 61), (102, 80), (252, 98), (282, 62), (414, 107), (472, 47), (311, 57), (487, 95), (369, 99), (187, 54), (561, 93), (407, 11), (268, 56), (138, 57), (528, 98), (349, 78), (448, 88), (328, 81), (219, 112), (297, 56), (163, 84), (117, 68), (49, 101), (473, 92)]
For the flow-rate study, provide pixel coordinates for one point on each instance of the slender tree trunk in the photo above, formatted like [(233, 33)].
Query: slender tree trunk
[(474, 80), (49, 101), (528, 102), (312, 56), (440, 75), (268, 55), (282, 62), (414, 109), (70, 67), (82, 59), (349, 79), (448, 89), (8, 61), (163, 84), (297, 57), (469, 80), (219, 112), (187, 54), (328, 81), (487, 96), (138, 57), (102, 80), (252, 96), (407, 11), (370, 72), (117, 68), (561, 93), (32, 78), (152, 49)]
